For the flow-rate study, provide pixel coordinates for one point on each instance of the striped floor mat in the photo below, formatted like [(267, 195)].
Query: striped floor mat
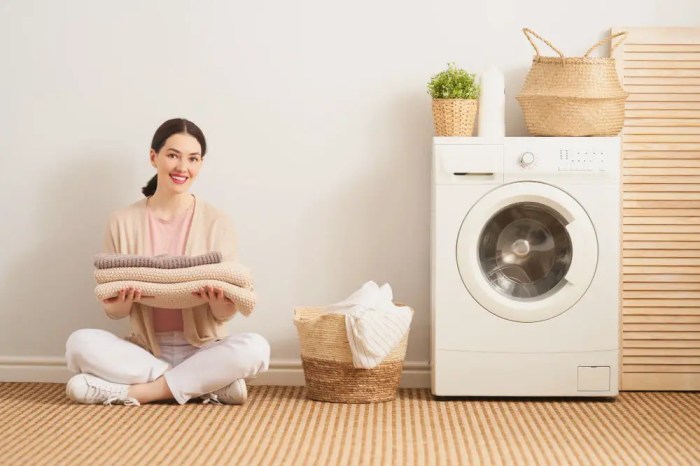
[(278, 425)]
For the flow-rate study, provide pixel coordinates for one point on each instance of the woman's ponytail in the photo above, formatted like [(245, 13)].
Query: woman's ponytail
[(150, 188)]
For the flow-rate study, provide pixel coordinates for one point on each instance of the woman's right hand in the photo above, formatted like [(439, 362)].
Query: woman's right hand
[(120, 305)]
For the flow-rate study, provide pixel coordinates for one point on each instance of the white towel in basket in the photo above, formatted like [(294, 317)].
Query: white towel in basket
[(375, 325)]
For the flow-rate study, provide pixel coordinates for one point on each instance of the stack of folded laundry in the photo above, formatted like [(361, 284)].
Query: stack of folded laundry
[(168, 281)]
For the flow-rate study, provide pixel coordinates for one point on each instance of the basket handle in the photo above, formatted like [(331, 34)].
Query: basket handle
[(622, 35), (528, 32)]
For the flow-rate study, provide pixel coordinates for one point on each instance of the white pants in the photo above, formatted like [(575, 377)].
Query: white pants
[(189, 371)]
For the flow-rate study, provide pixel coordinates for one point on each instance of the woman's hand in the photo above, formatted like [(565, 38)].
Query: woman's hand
[(120, 305), (220, 305)]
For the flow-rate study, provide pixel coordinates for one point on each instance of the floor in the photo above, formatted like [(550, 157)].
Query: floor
[(278, 425)]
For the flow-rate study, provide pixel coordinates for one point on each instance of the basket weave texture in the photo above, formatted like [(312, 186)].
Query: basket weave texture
[(327, 361), (454, 117), (573, 96)]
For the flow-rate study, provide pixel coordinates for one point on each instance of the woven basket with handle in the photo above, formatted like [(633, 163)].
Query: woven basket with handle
[(327, 361), (573, 96)]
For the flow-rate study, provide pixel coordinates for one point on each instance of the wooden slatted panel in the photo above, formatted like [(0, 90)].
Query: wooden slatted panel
[(660, 298)]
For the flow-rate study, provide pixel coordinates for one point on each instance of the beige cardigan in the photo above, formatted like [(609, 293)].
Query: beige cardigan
[(211, 230)]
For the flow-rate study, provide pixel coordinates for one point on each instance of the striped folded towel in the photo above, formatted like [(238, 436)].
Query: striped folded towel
[(179, 295), (110, 261), (229, 272), (374, 324)]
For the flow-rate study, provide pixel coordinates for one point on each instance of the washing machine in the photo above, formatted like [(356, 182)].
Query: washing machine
[(525, 266)]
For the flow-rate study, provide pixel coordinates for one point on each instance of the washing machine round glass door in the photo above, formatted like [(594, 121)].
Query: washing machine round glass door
[(527, 251)]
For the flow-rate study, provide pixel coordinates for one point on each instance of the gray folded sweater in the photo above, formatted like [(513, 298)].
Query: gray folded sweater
[(112, 261)]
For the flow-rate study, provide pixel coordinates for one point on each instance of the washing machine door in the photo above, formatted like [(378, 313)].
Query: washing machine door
[(527, 251)]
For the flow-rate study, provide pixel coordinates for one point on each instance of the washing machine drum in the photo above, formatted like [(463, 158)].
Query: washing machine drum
[(527, 251)]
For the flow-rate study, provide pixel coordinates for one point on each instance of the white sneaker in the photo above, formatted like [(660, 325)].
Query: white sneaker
[(88, 389), (234, 393)]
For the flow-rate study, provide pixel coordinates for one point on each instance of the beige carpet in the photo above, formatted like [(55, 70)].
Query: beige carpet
[(38, 425)]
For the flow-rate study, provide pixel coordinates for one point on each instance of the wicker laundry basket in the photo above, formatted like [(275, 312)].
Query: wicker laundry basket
[(327, 361), (573, 96)]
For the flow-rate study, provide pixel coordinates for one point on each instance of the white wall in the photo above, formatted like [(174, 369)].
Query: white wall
[(319, 129)]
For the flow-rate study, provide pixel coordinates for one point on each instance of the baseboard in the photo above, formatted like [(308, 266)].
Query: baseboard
[(282, 372), (33, 369)]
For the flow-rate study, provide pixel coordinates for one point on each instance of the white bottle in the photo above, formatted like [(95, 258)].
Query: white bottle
[(492, 104)]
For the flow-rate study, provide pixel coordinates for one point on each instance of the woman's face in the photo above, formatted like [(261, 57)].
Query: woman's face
[(177, 163)]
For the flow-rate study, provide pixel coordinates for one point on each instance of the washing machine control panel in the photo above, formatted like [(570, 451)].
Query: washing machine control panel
[(562, 160)]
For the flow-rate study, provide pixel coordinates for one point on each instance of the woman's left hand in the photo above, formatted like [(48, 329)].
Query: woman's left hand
[(220, 305)]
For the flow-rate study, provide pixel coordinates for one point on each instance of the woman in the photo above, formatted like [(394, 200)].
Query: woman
[(173, 353)]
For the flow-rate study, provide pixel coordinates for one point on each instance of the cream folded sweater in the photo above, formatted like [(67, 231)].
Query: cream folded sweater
[(179, 295)]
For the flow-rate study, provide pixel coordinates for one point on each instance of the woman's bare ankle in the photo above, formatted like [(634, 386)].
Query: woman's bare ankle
[(157, 390)]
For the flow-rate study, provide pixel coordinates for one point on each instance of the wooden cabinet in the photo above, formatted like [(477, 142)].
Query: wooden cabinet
[(660, 68)]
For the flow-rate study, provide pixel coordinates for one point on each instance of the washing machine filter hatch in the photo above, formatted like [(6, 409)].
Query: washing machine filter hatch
[(525, 250)]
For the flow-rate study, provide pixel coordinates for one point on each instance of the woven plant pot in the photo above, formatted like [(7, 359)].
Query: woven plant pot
[(574, 96), (454, 117), (327, 362)]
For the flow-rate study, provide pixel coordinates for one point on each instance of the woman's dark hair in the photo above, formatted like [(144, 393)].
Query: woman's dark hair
[(167, 129)]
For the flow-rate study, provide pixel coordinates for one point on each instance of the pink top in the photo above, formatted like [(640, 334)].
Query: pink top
[(168, 237)]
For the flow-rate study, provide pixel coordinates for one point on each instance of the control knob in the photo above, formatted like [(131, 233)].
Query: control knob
[(527, 160)]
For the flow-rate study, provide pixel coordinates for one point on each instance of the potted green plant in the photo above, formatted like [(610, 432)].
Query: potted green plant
[(455, 94)]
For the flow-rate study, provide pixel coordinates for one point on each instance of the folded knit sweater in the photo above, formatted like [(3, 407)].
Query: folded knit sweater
[(179, 295), (109, 261)]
